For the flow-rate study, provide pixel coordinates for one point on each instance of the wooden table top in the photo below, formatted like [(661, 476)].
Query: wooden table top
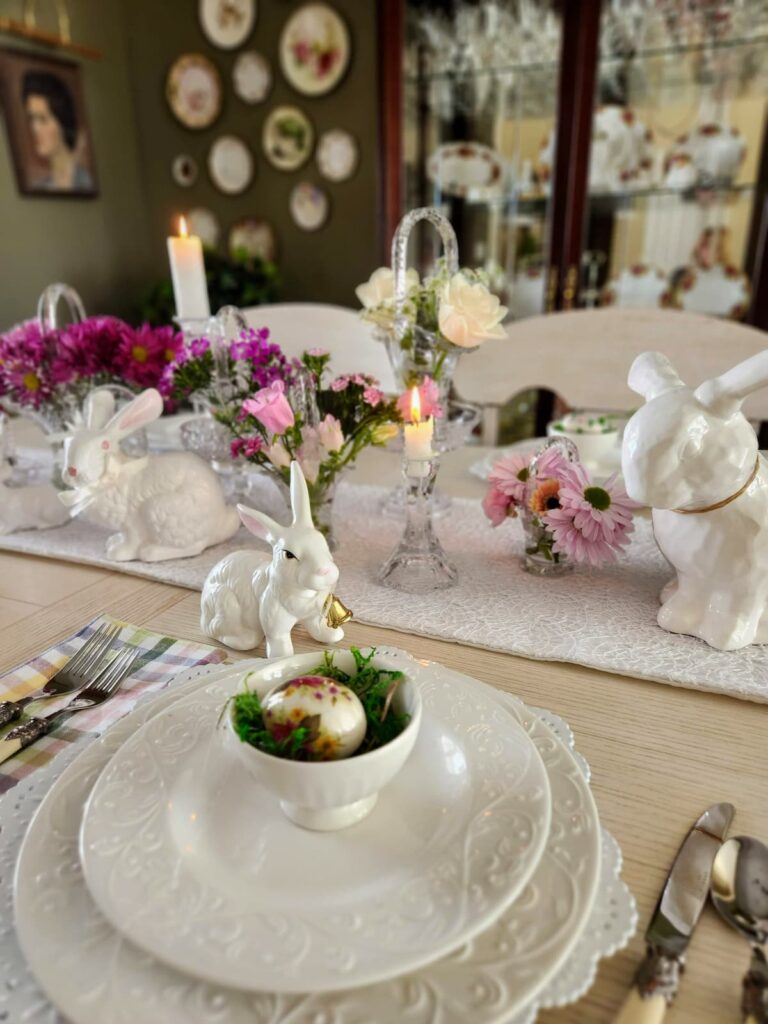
[(659, 754)]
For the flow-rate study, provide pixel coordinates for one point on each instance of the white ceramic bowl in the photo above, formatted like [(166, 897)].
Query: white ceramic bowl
[(328, 795), (598, 447)]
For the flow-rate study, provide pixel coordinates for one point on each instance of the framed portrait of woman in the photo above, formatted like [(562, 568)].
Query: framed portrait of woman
[(47, 125)]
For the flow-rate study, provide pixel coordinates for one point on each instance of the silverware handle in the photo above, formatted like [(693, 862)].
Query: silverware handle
[(654, 988), (31, 730), (10, 710), (754, 1001)]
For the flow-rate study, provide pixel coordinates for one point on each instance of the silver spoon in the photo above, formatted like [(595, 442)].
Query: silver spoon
[(739, 891)]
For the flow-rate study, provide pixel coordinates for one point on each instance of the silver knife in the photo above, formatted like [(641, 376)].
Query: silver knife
[(674, 919)]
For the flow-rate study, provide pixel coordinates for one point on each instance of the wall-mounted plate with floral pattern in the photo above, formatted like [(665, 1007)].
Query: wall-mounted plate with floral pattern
[(203, 222), (227, 23), (230, 165), (309, 206), (253, 237), (337, 155), (314, 49), (287, 138), (252, 77), (184, 170), (193, 91)]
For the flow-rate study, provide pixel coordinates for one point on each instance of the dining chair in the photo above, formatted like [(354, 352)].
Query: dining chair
[(584, 356), (297, 326)]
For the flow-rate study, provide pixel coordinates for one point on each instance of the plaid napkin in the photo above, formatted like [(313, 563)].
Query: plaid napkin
[(162, 659)]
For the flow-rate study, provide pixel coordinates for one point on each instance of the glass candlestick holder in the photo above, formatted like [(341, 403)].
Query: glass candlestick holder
[(418, 564)]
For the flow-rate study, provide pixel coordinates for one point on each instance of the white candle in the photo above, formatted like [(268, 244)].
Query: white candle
[(418, 433), (190, 291)]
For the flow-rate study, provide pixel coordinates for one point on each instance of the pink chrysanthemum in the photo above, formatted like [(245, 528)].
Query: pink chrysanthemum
[(497, 505), (593, 522)]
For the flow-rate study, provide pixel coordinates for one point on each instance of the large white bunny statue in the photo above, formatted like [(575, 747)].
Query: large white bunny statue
[(693, 457), (163, 506), (28, 506), (248, 597)]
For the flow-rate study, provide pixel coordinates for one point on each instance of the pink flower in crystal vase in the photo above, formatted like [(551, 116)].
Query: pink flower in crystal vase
[(329, 434), (593, 522), (510, 475), (270, 407), (496, 505)]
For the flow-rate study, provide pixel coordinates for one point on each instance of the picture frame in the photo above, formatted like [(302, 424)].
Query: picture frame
[(47, 125)]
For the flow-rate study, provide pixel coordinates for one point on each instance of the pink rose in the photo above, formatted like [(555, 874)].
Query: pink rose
[(271, 408), (340, 384)]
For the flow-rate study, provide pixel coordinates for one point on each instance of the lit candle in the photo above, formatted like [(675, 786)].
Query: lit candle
[(190, 290), (418, 433)]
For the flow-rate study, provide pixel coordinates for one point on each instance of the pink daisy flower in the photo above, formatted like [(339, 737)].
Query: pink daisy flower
[(593, 522), (510, 476), (496, 506)]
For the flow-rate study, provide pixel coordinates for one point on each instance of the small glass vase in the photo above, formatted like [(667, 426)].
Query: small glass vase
[(212, 441), (539, 559), (321, 498)]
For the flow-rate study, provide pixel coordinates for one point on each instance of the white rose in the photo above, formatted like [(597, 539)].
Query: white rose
[(468, 313), (330, 435), (380, 287)]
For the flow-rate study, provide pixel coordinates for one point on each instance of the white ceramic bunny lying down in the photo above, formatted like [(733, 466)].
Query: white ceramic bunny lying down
[(693, 457), (163, 506), (247, 597)]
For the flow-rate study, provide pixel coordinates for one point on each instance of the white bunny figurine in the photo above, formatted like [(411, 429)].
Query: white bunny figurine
[(163, 506), (247, 597), (692, 456), (27, 507)]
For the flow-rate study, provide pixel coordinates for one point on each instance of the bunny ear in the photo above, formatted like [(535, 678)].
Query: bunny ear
[(302, 509), (652, 374), (260, 524), (99, 407), (145, 408), (723, 395)]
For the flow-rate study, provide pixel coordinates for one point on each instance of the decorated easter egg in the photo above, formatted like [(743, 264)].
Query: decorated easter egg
[(330, 712)]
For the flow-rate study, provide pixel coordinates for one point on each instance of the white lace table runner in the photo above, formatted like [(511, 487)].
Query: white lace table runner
[(603, 618)]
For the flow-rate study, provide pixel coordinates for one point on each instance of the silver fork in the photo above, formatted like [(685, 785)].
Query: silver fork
[(104, 686), (71, 676)]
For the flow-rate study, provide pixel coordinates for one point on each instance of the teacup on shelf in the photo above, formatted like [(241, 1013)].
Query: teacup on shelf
[(328, 795), (596, 435)]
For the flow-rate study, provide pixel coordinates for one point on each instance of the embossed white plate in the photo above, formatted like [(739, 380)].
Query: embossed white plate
[(195, 862), (95, 976)]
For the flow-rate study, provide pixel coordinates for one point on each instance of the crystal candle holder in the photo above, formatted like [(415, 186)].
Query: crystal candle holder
[(418, 564)]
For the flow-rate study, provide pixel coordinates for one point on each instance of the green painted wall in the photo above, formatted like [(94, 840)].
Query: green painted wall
[(97, 245), (112, 247), (323, 265)]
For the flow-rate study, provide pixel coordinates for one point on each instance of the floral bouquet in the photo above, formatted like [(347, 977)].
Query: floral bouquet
[(444, 315), (277, 411), (49, 374), (567, 518)]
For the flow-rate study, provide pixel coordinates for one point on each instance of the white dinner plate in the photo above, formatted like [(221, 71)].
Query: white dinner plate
[(482, 468), (195, 862), (230, 165), (488, 982)]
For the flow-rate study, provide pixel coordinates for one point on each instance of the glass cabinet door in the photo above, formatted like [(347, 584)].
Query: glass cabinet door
[(478, 128), (677, 142)]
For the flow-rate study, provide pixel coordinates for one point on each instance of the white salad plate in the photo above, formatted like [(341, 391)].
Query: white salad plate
[(542, 951), (196, 863)]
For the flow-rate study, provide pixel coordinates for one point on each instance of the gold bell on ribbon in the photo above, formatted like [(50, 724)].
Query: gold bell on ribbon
[(336, 613)]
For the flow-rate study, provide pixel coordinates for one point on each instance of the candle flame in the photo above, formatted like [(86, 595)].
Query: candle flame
[(415, 405), (183, 230)]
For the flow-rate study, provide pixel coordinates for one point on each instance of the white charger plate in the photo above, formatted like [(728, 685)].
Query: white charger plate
[(196, 863), (95, 976)]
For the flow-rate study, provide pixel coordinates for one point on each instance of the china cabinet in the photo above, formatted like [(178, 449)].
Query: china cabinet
[(588, 153)]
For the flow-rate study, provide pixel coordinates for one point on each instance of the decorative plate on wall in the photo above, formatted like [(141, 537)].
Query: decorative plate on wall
[(184, 170), (337, 155), (255, 237), (252, 77), (203, 223), (193, 90), (314, 49), (227, 23), (309, 206), (230, 165), (287, 138)]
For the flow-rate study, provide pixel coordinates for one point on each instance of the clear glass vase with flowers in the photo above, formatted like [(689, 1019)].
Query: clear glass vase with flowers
[(567, 518), (278, 411), (427, 325)]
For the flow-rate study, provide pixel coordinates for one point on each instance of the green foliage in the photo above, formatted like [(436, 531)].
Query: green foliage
[(240, 280), (374, 686)]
